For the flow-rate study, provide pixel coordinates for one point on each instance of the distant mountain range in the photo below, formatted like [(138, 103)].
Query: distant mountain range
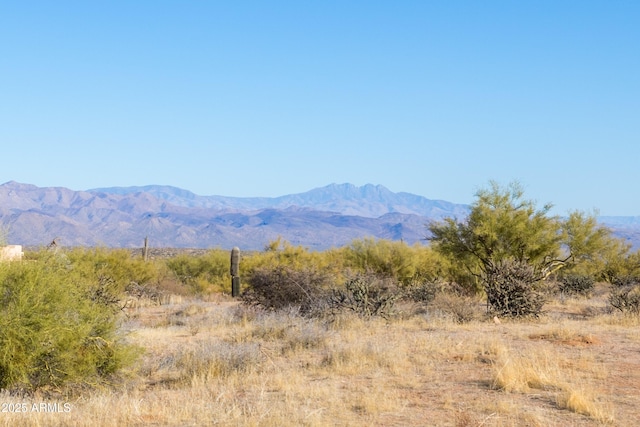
[(172, 217), (371, 201)]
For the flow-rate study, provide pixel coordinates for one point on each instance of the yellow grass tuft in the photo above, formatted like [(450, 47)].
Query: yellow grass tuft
[(520, 373), (583, 402), (541, 369)]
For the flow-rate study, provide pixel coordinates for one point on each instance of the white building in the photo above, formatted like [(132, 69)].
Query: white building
[(11, 253)]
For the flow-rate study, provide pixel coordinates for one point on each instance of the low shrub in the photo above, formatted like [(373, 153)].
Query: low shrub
[(280, 287), (626, 299), (511, 289), (423, 291), (115, 269), (202, 274), (460, 308), (141, 292), (366, 295), (625, 280), (576, 284)]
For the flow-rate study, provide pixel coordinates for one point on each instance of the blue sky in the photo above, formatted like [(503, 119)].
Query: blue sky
[(265, 98)]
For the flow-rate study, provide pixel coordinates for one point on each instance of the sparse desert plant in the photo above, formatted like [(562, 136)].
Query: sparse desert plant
[(282, 253), (212, 360), (423, 291), (252, 366), (626, 299), (511, 289), (283, 287), (208, 360), (464, 419), (361, 352), (137, 293), (566, 335), (366, 295), (576, 284), (625, 280), (460, 308), (304, 336), (286, 327), (621, 266)]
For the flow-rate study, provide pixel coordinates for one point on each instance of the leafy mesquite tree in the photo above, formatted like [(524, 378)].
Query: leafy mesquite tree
[(500, 226), (506, 240), (595, 252)]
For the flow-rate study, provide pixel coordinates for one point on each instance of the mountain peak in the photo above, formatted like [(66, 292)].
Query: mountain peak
[(18, 186), (349, 186), (351, 190)]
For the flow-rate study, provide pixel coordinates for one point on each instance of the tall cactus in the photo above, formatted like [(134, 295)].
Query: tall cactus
[(235, 277)]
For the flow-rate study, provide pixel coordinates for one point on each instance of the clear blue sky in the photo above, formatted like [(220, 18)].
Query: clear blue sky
[(265, 98)]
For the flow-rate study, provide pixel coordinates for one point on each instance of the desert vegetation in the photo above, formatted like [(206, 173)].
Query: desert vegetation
[(510, 317)]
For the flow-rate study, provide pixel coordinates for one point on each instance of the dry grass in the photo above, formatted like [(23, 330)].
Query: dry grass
[(585, 402), (214, 363)]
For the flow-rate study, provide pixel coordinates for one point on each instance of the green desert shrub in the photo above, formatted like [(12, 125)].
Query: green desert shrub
[(112, 269), (56, 326), (395, 260), (204, 273), (282, 253)]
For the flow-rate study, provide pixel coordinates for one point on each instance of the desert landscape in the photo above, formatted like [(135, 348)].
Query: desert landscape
[(510, 317), (215, 362), (281, 214)]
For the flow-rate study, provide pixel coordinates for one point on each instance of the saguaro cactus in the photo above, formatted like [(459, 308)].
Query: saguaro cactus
[(145, 249), (235, 276)]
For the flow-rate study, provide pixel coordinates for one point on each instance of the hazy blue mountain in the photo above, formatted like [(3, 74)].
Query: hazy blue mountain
[(122, 216), (620, 221), (321, 218), (369, 200)]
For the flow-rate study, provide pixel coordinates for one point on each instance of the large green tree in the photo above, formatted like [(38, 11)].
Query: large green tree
[(509, 246), (595, 251), (502, 226)]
